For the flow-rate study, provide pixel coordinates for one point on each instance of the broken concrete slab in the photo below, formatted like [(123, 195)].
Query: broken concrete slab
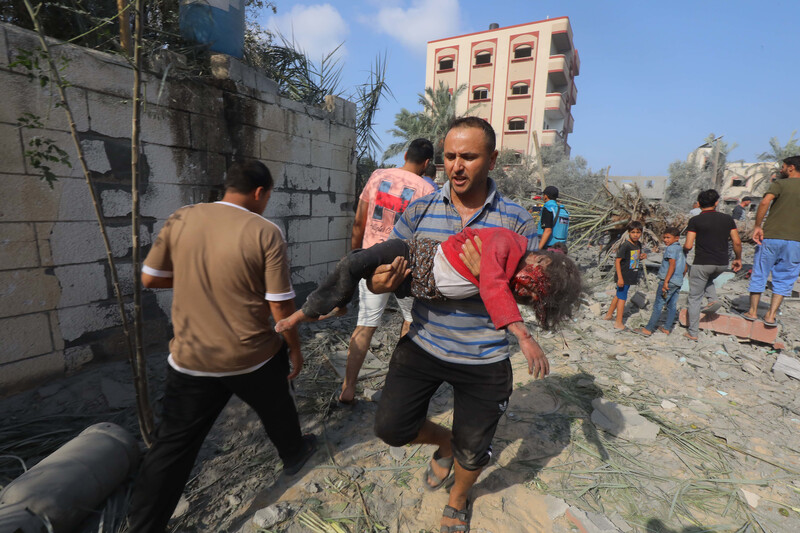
[(751, 499), (622, 421), (735, 325), (270, 516), (556, 507)]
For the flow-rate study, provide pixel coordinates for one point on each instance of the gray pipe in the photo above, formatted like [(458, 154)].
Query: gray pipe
[(71, 482)]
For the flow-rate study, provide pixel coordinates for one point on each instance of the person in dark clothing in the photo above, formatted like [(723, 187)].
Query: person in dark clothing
[(626, 273), (711, 231), (740, 211)]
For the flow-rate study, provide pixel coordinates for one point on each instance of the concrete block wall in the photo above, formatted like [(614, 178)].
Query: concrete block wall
[(57, 305)]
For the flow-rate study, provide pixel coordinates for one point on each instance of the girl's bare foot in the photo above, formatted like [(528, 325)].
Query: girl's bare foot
[(291, 321)]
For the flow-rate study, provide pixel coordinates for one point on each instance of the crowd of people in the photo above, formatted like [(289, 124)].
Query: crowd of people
[(459, 259)]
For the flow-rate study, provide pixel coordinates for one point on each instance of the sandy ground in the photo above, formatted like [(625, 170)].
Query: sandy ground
[(727, 431)]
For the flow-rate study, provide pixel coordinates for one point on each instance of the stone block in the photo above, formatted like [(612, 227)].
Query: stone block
[(165, 126), (284, 204), (75, 202), (81, 242), (162, 199), (18, 247), (307, 229), (343, 136), (24, 96), (622, 421), (116, 203), (330, 251), (86, 66), (24, 336), (788, 365), (350, 114), (322, 153), (342, 181), (186, 95), (94, 152), (73, 322), (298, 124), (22, 374), (76, 358), (329, 204), (313, 274), (343, 159), (270, 117), (43, 230), (735, 325), (210, 133), (292, 105), (61, 139), (340, 227), (263, 84), (299, 254), (177, 165), (304, 178), (27, 291), (225, 67), (277, 146), (11, 148), (81, 284)]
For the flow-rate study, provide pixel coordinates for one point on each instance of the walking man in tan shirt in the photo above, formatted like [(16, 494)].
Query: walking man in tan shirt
[(228, 268)]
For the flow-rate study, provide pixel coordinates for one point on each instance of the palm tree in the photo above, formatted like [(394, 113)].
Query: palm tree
[(438, 112), (780, 152)]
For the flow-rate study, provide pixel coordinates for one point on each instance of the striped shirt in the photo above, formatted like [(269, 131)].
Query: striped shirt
[(459, 331)]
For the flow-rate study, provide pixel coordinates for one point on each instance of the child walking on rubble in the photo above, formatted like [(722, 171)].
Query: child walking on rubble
[(670, 279), (549, 282), (626, 271)]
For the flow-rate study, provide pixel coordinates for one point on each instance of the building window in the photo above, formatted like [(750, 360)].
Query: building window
[(649, 184), (737, 182), (483, 58), (523, 51), (446, 63), (516, 124), (519, 88), (480, 93)]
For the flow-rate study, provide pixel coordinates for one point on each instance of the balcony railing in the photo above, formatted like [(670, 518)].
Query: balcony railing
[(558, 69)]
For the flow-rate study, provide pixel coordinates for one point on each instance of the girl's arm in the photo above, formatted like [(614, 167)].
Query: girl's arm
[(538, 365)]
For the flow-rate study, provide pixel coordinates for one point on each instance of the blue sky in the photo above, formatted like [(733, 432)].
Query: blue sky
[(656, 77)]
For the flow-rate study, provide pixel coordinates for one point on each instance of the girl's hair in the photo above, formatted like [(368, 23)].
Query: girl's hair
[(558, 286)]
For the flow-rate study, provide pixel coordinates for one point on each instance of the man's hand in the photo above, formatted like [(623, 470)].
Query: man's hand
[(471, 255), (296, 358), (758, 235), (736, 266), (387, 278)]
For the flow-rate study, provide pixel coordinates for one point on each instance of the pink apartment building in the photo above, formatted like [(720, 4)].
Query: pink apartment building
[(522, 79)]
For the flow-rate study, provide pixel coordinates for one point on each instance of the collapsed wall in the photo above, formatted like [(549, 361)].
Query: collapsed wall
[(57, 306)]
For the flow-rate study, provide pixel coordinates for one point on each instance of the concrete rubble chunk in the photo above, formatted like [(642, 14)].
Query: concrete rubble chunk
[(788, 365), (181, 508), (667, 405), (751, 499), (622, 421), (397, 453), (556, 507), (626, 378), (269, 516)]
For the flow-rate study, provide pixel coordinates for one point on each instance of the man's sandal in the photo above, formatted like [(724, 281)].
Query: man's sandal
[(430, 480), (462, 515)]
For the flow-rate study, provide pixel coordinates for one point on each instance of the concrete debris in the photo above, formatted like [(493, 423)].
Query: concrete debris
[(584, 523), (397, 453), (556, 507), (596, 309), (622, 421), (624, 390), (626, 378), (271, 516), (313, 488), (372, 395), (788, 365), (620, 522), (181, 508), (667, 405)]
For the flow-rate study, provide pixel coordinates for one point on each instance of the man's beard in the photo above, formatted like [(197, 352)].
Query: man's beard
[(782, 175)]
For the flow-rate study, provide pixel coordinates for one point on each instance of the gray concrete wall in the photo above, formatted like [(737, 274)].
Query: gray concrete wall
[(57, 306)]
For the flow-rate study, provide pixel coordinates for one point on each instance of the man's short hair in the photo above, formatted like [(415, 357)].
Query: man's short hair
[(419, 151), (245, 177), (672, 230), (793, 161), (635, 224), (746, 199), (707, 198), (481, 124), (551, 192), (430, 171)]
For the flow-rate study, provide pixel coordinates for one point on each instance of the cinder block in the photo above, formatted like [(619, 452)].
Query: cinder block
[(309, 274), (328, 251), (61, 139), (81, 242), (178, 165), (75, 202), (184, 94), (340, 227), (82, 284), (74, 322), (276, 146), (20, 375), (94, 152), (86, 66), (299, 254), (165, 126), (305, 178), (24, 336), (331, 205), (292, 105), (210, 133), (350, 114), (11, 148), (265, 84), (162, 199), (43, 231), (55, 332), (283, 204), (343, 136), (18, 248), (270, 117), (77, 357), (24, 96), (322, 154), (3, 47), (343, 159), (342, 181), (116, 203), (110, 115), (27, 291), (298, 124), (306, 230)]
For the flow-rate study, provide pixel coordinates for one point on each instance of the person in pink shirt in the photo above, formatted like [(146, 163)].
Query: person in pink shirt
[(547, 281)]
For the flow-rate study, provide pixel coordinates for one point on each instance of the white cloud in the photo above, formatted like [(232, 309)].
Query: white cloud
[(317, 29), (423, 21)]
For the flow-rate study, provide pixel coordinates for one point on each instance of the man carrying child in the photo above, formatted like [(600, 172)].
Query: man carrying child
[(670, 278)]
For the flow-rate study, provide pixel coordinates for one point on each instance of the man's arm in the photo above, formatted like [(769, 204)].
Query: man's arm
[(280, 310), (763, 207), (737, 250), (359, 224), (689, 244), (156, 282)]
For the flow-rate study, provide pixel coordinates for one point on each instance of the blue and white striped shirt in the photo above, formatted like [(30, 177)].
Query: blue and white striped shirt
[(459, 331)]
